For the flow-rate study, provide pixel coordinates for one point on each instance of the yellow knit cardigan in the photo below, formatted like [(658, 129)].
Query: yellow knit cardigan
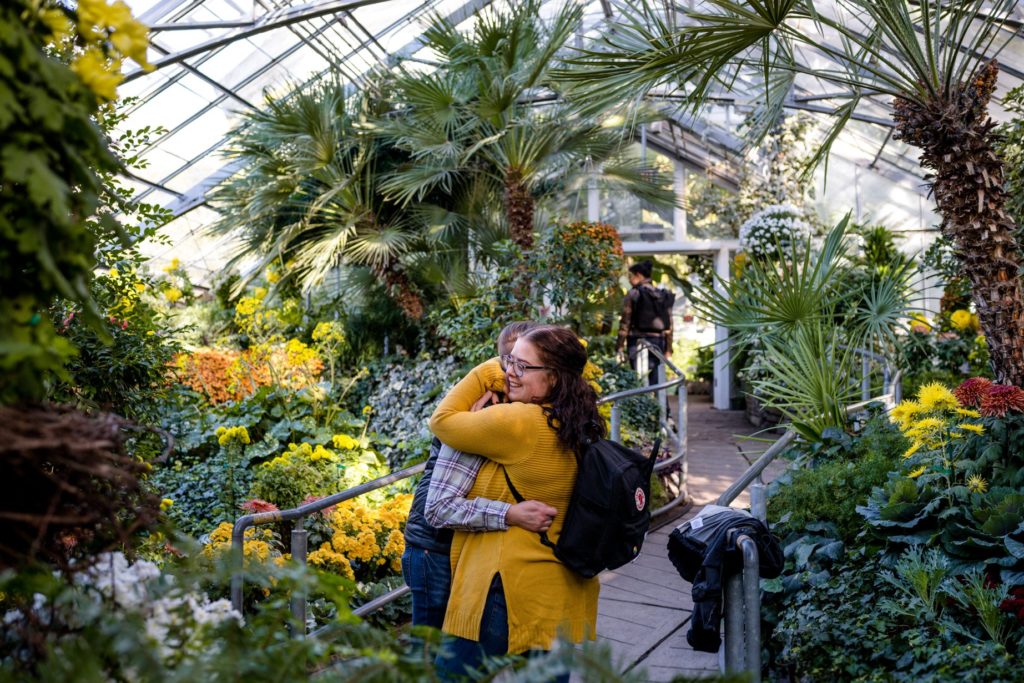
[(545, 599)]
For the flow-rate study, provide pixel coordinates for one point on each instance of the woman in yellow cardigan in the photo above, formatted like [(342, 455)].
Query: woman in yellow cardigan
[(509, 592)]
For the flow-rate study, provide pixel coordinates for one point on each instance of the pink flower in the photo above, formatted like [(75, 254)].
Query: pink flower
[(1001, 398), (256, 505), (971, 391), (312, 499)]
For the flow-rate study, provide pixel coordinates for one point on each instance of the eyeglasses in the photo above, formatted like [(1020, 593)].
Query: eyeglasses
[(518, 367)]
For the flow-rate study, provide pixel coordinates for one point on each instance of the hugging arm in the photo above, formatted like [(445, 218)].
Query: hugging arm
[(447, 505)]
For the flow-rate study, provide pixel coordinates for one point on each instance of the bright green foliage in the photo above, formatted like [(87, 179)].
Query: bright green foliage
[(289, 478), (50, 154), (126, 372)]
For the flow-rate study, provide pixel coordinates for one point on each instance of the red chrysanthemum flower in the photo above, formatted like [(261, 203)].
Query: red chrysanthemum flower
[(971, 391), (1001, 398), (256, 506)]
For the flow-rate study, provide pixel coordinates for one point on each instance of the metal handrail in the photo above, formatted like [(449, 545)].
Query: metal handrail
[(298, 514)]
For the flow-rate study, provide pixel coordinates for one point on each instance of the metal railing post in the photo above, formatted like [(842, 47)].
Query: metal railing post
[(734, 651), (238, 561), (865, 378), (298, 601), (616, 422), (751, 607), (758, 501), (662, 395)]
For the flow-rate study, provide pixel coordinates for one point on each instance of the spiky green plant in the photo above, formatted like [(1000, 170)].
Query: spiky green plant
[(809, 315), (489, 125), (309, 195)]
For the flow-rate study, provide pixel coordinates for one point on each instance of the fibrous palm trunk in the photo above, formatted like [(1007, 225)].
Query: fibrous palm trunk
[(519, 210), (955, 135), (402, 290)]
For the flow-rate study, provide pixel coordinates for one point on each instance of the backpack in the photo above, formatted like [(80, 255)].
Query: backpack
[(608, 513), (653, 309)]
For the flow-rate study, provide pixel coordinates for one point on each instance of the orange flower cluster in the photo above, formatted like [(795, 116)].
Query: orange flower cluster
[(583, 234), (206, 371), (227, 375)]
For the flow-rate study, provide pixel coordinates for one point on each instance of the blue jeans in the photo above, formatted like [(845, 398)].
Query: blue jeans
[(459, 657), (429, 575)]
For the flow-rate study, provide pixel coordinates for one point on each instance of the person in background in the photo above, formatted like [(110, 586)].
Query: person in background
[(426, 567), (646, 316), (510, 594)]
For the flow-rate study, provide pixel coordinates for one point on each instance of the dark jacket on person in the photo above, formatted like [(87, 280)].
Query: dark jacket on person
[(417, 531), (704, 557)]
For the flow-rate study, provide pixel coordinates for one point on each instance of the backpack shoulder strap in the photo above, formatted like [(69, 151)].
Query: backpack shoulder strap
[(519, 499)]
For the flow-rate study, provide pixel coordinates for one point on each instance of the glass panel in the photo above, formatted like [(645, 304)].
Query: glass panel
[(637, 219)]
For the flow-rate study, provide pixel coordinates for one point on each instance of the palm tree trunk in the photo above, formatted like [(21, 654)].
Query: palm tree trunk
[(401, 290), (955, 135), (519, 210)]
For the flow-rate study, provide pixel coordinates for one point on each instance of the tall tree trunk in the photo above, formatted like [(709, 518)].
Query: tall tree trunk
[(519, 210), (402, 290), (955, 135)]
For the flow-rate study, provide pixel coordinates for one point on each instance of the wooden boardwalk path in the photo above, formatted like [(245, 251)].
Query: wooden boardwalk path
[(645, 606)]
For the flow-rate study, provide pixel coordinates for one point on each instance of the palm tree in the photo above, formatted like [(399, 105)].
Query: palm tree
[(309, 192), (488, 119), (933, 59)]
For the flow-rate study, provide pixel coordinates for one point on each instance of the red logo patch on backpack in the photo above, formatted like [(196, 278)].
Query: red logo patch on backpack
[(640, 498)]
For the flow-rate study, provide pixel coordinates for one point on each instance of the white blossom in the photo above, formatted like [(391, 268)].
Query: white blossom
[(772, 229)]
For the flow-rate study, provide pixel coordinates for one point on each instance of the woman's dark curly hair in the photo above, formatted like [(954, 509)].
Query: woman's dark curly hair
[(573, 403)]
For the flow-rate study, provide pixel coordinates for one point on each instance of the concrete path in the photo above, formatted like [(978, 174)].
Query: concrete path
[(645, 607)]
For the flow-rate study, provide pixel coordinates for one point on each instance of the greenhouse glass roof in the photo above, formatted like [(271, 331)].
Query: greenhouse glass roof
[(215, 58)]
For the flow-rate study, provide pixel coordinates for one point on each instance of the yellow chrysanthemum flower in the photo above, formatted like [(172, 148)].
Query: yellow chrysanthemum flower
[(960, 320), (976, 484), (905, 413), (172, 294), (967, 412), (98, 73), (934, 396), (344, 442), (968, 427), (914, 474), (914, 448)]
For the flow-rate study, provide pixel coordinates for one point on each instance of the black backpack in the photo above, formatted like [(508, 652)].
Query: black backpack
[(653, 309), (609, 511)]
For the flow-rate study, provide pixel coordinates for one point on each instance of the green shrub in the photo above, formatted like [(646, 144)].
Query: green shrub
[(830, 492), (204, 491), (836, 475), (296, 474), (866, 622)]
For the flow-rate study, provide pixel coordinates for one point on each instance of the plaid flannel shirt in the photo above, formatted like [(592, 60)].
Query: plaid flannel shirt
[(447, 505)]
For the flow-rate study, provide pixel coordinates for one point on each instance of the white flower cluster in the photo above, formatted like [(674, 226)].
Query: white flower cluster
[(176, 620), (772, 230)]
